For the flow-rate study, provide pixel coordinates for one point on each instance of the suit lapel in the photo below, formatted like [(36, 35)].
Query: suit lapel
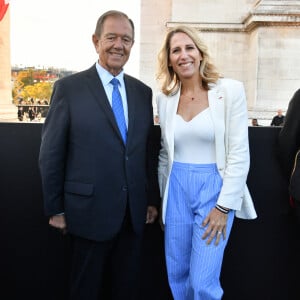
[(96, 87), (131, 95)]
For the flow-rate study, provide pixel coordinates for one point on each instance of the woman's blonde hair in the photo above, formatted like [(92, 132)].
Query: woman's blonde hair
[(168, 79)]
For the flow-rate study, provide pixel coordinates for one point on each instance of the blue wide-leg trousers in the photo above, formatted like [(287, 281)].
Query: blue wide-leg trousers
[(193, 267)]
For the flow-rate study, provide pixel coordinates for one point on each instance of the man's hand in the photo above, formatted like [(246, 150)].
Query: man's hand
[(59, 222), (151, 214)]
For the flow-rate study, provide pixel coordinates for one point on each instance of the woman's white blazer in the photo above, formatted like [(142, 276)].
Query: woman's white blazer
[(228, 106)]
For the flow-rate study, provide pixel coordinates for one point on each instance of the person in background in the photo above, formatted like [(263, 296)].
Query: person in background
[(255, 122), (98, 181), (278, 120), (289, 144), (203, 163), (20, 113), (31, 113)]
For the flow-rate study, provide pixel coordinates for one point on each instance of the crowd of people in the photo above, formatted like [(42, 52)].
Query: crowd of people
[(32, 109), (100, 184)]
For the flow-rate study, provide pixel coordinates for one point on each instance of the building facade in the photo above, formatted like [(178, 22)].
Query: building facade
[(256, 42)]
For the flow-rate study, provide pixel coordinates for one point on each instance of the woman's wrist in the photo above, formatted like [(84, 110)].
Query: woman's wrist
[(222, 209)]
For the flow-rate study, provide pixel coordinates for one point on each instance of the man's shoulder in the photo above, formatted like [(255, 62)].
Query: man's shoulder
[(297, 94), (296, 98), (76, 76), (136, 82)]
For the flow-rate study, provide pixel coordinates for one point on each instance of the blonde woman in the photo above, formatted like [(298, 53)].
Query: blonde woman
[(203, 163)]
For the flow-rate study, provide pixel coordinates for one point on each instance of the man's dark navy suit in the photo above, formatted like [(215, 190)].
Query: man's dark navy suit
[(87, 171)]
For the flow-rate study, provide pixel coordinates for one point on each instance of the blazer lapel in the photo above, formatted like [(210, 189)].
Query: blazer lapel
[(216, 100), (171, 110)]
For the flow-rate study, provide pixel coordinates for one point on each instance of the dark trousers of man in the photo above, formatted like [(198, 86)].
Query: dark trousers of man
[(106, 270)]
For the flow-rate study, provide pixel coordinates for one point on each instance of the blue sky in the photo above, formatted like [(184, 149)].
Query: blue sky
[(58, 33)]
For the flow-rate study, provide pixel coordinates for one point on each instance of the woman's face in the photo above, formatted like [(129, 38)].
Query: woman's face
[(184, 56)]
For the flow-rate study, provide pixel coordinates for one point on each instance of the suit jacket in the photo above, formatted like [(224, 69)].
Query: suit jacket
[(228, 108), (87, 171), (289, 136)]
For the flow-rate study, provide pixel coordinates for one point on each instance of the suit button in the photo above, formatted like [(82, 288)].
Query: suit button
[(126, 157), (124, 188)]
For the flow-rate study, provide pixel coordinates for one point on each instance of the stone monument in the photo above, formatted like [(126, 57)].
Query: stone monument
[(8, 110), (254, 41)]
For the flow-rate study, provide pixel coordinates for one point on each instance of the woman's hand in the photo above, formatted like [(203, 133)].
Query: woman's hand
[(152, 214), (216, 226)]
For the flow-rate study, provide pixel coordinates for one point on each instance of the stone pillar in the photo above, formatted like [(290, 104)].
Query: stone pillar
[(8, 110), (154, 16)]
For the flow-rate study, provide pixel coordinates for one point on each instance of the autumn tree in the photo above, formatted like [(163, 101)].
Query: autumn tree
[(31, 83), (40, 90)]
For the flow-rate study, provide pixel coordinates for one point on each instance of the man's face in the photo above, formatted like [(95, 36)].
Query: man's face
[(114, 44)]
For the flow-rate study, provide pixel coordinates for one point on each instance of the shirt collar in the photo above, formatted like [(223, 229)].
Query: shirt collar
[(106, 77)]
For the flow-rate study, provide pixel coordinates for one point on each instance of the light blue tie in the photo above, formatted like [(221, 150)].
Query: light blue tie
[(117, 107)]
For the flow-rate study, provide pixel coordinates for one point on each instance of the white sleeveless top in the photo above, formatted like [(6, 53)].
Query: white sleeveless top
[(194, 141)]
